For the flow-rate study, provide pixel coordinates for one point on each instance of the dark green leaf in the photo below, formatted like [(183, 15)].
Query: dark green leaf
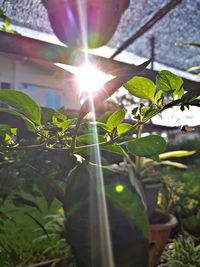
[(134, 111), (23, 103), (19, 200), (115, 119), (47, 114), (38, 223), (167, 81), (141, 87), (150, 113), (113, 148), (2, 15), (149, 146), (29, 124)]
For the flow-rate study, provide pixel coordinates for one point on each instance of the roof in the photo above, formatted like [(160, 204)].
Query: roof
[(180, 24)]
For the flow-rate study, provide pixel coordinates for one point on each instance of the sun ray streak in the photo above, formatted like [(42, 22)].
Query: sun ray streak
[(104, 247)]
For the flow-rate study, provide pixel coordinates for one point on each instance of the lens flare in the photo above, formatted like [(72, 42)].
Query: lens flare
[(119, 188), (90, 79)]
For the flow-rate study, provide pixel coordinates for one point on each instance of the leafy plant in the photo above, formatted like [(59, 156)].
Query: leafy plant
[(180, 196), (181, 252), (7, 22), (49, 154)]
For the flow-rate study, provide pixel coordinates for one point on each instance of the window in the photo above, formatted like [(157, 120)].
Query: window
[(44, 96), (5, 85)]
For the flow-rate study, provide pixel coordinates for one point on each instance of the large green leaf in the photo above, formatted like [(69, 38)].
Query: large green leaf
[(29, 124), (115, 119), (141, 87), (167, 81), (23, 103), (148, 146)]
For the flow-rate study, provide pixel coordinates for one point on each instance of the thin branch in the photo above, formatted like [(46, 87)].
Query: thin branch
[(158, 16)]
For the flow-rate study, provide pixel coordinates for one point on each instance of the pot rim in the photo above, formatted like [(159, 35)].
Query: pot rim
[(164, 226)]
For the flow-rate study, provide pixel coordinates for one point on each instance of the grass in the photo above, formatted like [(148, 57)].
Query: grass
[(22, 240)]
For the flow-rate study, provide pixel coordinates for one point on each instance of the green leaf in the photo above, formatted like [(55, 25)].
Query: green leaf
[(58, 117), (103, 126), (123, 128), (13, 131), (23, 103), (89, 138), (19, 200), (115, 119), (47, 114), (7, 21), (65, 125), (159, 97), (167, 81), (149, 146), (150, 113), (130, 203), (29, 124), (141, 87), (174, 164), (113, 148), (4, 128), (8, 139)]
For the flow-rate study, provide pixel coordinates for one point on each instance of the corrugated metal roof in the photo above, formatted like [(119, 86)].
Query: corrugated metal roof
[(180, 24)]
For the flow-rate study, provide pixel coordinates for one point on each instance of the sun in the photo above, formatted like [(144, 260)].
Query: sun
[(89, 78)]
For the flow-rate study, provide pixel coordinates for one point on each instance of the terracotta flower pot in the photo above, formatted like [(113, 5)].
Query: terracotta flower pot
[(159, 234), (101, 20)]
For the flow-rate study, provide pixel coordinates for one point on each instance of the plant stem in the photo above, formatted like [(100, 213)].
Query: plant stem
[(139, 159), (78, 123)]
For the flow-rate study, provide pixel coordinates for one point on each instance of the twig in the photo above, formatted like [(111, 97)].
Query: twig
[(158, 16)]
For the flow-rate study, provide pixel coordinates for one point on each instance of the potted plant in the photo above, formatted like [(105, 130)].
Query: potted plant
[(65, 163)]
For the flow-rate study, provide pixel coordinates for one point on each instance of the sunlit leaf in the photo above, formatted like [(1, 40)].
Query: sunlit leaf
[(167, 81), (23, 103), (65, 125), (141, 87), (115, 119), (176, 154), (123, 128)]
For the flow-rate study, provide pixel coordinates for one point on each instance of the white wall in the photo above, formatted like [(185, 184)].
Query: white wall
[(17, 71)]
